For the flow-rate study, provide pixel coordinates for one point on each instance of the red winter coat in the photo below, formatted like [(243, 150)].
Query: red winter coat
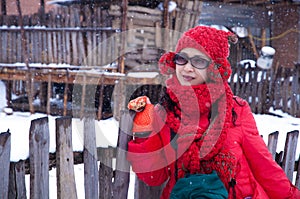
[(257, 174)]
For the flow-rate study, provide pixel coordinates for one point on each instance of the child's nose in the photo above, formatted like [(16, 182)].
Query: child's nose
[(188, 66)]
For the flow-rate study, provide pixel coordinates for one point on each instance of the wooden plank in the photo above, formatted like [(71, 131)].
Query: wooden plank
[(33, 46), (119, 98), (101, 48), (17, 187), (44, 58), (272, 143), (105, 51), (5, 147), (267, 88), (66, 36), (2, 41), (66, 92), (71, 77), (9, 47), (90, 158), (244, 83), (106, 174), (88, 60), (74, 48), (144, 10), (285, 91), (4, 45), (121, 180), (94, 48), (297, 180), (141, 189), (49, 48), (49, 86), (82, 54), (40, 46), (14, 47), (63, 48), (99, 114), (277, 86), (158, 36), (8, 90), (260, 92), (39, 158), (66, 186), (59, 47), (255, 88), (55, 47), (289, 153), (295, 92), (83, 96)]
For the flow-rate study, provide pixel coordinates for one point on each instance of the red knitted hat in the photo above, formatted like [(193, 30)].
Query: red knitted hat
[(206, 39)]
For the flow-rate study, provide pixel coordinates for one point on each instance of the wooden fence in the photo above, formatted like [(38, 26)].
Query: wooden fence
[(99, 182), (92, 36), (66, 38), (278, 88), (263, 89)]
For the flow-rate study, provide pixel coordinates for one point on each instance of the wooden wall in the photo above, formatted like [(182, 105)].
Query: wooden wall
[(285, 35)]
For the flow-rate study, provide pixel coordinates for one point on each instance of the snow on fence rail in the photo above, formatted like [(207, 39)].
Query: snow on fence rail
[(102, 182)]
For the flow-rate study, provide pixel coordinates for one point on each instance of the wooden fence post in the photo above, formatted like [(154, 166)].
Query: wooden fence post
[(290, 147), (64, 159), (297, 181), (90, 158), (17, 188), (141, 190), (121, 180), (119, 96), (39, 158), (272, 143), (5, 145), (105, 156)]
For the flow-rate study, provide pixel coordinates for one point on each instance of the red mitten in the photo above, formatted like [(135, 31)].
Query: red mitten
[(142, 122)]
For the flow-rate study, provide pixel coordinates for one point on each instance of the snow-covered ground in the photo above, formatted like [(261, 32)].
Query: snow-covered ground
[(107, 130)]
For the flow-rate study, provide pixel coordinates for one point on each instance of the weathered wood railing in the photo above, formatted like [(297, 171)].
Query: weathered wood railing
[(262, 89), (278, 88), (102, 182)]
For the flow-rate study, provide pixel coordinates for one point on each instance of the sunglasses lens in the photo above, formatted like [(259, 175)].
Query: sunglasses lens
[(199, 62), (180, 60)]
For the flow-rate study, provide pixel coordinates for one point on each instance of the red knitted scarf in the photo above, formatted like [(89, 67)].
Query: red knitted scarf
[(200, 138)]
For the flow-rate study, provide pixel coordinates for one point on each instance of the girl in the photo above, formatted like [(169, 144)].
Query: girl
[(199, 128)]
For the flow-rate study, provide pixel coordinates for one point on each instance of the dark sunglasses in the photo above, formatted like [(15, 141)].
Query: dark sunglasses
[(197, 62)]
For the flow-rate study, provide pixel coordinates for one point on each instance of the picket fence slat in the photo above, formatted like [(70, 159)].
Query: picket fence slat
[(141, 189), (39, 158), (297, 180), (5, 146), (272, 143), (64, 159), (289, 153), (106, 172), (17, 186), (121, 180), (112, 183), (90, 158)]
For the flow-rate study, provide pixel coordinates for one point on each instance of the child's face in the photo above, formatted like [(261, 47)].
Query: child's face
[(191, 66)]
